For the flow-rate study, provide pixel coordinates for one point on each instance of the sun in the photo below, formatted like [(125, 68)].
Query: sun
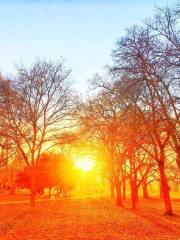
[(86, 164)]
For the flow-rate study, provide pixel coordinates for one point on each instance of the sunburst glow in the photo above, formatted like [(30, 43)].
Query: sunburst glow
[(86, 164)]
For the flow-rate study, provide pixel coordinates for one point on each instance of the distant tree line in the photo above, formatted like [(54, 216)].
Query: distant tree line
[(51, 171)]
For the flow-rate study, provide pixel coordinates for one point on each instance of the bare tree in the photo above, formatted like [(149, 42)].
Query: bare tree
[(136, 57), (37, 107), (165, 27)]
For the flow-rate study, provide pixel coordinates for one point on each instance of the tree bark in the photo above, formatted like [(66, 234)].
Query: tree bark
[(124, 189), (160, 190), (57, 191), (134, 193), (119, 202), (145, 190), (49, 191), (33, 188), (12, 189), (165, 188)]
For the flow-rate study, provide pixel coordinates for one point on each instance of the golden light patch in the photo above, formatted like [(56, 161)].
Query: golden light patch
[(85, 163)]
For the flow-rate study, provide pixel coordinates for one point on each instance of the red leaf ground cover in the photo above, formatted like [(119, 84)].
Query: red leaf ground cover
[(89, 219)]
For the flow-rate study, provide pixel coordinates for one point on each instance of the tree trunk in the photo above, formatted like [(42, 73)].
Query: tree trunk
[(12, 189), (112, 188), (145, 190), (42, 191), (12, 178), (118, 192), (57, 191), (134, 194), (165, 188), (124, 189), (161, 190), (33, 188), (49, 191)]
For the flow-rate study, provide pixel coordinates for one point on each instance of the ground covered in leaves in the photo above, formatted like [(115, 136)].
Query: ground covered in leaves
[(88, 218)]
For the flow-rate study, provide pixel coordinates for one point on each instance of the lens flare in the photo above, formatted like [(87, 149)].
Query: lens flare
[(86, 164)]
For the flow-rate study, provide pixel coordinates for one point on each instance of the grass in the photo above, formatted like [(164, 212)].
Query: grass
[(89, 218)]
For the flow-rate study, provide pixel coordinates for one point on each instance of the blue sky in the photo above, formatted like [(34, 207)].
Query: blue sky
[(84, 32)]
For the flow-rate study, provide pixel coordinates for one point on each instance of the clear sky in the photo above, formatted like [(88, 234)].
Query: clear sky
[(84, 32)]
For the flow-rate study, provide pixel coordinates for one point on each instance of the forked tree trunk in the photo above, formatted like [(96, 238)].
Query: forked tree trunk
[(33, 188), (165, 188)]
